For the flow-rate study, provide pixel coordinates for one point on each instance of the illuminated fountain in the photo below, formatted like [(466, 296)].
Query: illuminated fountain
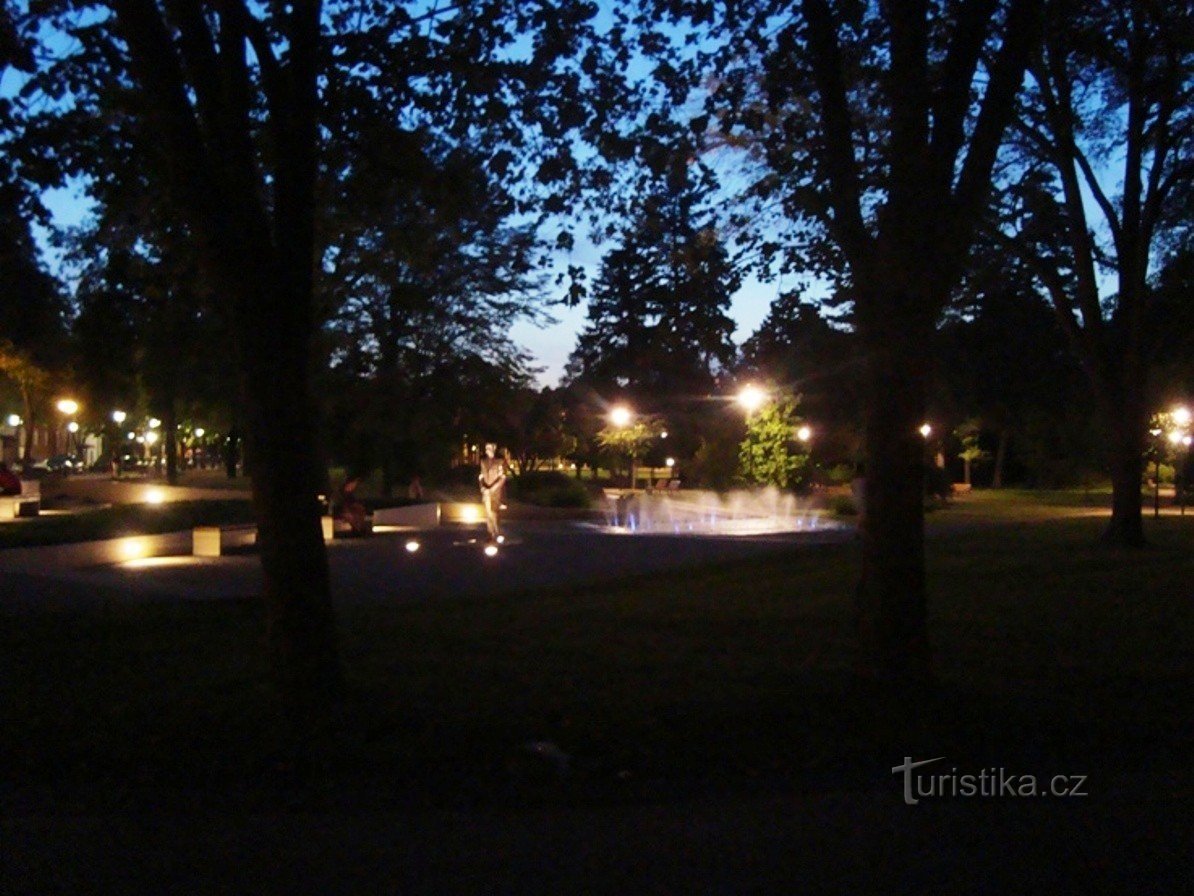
[(760, 512)]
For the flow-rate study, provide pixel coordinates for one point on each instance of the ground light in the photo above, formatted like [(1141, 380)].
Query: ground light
[(135, 548), (491, 550), (412, 546), (155, 496)]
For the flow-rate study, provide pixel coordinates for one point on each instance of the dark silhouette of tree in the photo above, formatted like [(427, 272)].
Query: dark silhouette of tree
[(423, 271), (657, 334), (1005, 363), (804, 352), (1111, 91), (875, 128), (245, 100), (657, 323)]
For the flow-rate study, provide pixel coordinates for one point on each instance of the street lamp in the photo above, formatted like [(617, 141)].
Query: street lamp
[(620, 416), (925, 430), (1156, 434), (804, 434), (751, 398), (68, 407)]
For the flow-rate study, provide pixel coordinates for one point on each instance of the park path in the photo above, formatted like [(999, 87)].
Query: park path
[(450, 563)]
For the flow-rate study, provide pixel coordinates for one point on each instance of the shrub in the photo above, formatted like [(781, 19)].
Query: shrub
[(549, 488), (842, 505)]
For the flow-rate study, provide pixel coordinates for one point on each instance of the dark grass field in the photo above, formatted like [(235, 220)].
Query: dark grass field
[(731, 682)]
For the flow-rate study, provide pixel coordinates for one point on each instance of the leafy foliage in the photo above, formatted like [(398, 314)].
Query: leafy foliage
[(771, 453)]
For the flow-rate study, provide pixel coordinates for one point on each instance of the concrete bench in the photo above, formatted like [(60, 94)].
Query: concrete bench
[(212, 541), (464, 513), (18, 506), (412, 516)]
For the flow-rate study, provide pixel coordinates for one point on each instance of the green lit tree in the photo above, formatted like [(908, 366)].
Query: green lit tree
[(771, 453)]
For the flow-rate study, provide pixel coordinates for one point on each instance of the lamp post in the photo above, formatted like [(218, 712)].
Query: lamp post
[(621, 416), (68, 407), (118, 418), (14, 422), (1186, 441), (1156, 434), (1180, 438), (750, 398)]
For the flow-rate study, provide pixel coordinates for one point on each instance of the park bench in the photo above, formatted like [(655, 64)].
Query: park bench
[(212, 541), (19, 506)]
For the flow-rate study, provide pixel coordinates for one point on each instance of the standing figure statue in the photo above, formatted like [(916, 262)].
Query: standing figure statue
[(492, 477)]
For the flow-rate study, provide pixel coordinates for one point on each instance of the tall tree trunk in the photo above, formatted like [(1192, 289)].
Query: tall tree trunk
[(170, 424), (1127, 427), (281, 457), (1000, 457), (890, 602)]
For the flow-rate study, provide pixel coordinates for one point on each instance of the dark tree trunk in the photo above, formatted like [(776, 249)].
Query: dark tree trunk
[(261, 254), (890, 608), (170, 424), (281, 458), (1126, 526), (1000, 457)]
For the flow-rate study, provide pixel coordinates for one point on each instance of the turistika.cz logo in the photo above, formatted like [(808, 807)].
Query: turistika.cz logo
[(936, 783)]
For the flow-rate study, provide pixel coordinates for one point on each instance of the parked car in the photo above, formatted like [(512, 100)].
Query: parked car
[(60, 463)]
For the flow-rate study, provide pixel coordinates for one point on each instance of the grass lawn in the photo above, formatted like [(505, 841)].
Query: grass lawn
[(1051, 651)]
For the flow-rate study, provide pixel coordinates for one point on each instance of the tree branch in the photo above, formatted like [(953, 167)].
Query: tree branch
[(837, 128)]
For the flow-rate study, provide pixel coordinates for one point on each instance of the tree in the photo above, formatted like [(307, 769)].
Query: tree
[(236, 93), (424, 272), (770, 454), (1110, 90), (632, 439), (1005, 363), (877, 125), (804, 351), (657, 331)]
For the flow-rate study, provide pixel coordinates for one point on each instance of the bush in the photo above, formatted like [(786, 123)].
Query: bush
[(842, 505), (549, 488), (840, 474)]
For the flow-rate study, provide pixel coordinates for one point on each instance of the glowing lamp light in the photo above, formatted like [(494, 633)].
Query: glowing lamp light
[(804, 433), (68, 406), (1176, 437), (155, 496), (751, 397), (72, 427), (154, 423), (13, 420), (412, 546), (132, 549), (470, 514), (1182, 416), (620, 416), (119, 417), (200, 432), (926, 430), (491, 550), (150, 437), (670, 462)]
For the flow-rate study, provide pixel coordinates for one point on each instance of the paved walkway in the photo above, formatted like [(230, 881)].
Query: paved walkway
[(450, 562)]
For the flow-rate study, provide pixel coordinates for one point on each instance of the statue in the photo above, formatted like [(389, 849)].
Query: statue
[(492, 478)]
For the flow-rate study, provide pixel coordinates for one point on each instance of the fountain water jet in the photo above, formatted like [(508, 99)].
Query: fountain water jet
[(762, 512)]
